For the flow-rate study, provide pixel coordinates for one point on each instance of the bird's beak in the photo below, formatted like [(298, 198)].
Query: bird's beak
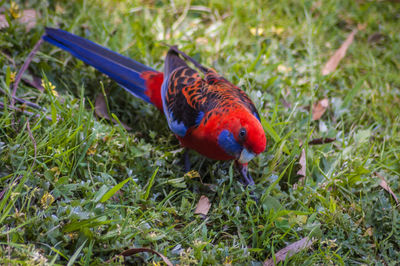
[(246, 156)]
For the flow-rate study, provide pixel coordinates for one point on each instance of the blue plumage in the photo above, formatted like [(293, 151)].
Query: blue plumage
[(200, 117), (177, 127), (257, 116), (122, 69)]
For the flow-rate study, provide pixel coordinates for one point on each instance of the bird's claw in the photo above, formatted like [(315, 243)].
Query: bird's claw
[(247, 180)]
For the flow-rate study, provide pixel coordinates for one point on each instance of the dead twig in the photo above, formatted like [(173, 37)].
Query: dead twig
[(289, 251), (28, 103), (383, 183), (320, 141)]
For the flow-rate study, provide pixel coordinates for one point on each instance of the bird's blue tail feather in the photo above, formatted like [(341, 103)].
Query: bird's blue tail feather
[(122, 69)]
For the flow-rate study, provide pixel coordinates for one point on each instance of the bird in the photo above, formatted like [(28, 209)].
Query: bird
[(206, 112)]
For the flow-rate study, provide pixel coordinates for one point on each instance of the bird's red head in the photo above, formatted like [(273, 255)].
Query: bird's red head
[(241, 135)]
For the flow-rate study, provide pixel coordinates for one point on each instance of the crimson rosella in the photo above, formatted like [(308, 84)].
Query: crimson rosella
[(207, 114)]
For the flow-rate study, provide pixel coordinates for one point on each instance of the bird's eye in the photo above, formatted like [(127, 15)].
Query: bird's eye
[(242, 133)]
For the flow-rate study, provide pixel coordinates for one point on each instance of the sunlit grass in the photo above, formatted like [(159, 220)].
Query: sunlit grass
[(93, 188)]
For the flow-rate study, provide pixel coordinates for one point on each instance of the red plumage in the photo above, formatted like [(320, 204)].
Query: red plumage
[(204, 138), (207, 114), (222, 105), (153, 81)]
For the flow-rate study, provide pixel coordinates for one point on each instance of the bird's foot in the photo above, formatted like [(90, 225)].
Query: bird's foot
[(247, 180)]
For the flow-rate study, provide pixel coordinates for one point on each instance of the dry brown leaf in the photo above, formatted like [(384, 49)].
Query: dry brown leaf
[(28, 18), (362, 26), (289, 251), (375, 37), (101, 107), (333, 62), (101, 110), (3, 22), (319, 108), (386, 187), (203, 206), (302, 170), (133, 251), (302, 162)]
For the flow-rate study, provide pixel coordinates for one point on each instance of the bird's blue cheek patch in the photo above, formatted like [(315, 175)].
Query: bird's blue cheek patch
[(227, 142), (256, 115)]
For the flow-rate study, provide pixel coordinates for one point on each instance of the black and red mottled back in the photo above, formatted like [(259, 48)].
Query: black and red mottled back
[(191, 99), (220, 96)]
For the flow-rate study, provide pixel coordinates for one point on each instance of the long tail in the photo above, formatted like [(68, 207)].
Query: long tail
[(140, 80)]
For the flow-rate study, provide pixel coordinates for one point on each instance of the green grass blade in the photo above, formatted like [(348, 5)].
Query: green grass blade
[(114, 190), (271, 131), (150, 184), (76, 254)]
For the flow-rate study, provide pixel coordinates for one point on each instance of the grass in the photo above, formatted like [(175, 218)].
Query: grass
[(81, 190)]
